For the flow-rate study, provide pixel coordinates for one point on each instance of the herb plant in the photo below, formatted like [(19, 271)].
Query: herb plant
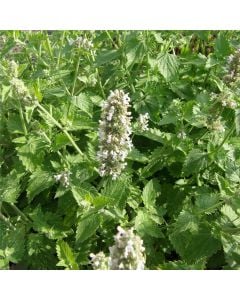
[(119, 150)]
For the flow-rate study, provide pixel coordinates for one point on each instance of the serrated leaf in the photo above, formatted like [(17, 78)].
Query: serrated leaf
[(66, 256), (87, 226), (83, 102), (136, 155), (117, 191), (195, 161), (207, 203), (49, 224), (107, 56), (168, 65), (12, 243), (194, 246), (146, 226), (222, 47), (38, 182), (150, 192), (10, 188), (186, 221), (14, 124), (41, 252), (230, 214), (61, 140)]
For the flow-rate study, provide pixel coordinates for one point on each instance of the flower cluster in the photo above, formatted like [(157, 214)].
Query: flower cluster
[(99, 261), (13, 68), (114, 134), (233, 67), (225, 98), (64, 178), (18, 47), (126, 254), (143, 121), (182, 135), (82, 42), (216, 126), (19, 88)]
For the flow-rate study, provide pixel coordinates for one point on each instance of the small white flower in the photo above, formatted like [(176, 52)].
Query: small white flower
[(63, 177), (19, 87), (182, 135), (82, 42), (143, 121)]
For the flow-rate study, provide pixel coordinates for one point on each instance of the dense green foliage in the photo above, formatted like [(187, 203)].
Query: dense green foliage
[(180, 189)]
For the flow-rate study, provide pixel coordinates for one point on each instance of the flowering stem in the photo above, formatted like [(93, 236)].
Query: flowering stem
[(60, 127), (76, 73)]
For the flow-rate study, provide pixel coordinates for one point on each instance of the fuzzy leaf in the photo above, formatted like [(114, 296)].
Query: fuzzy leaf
[(39, 181), (194, 246), (195, 162), (87, 226), (168, 65), (83, 102), (150, 193), (66, 256)]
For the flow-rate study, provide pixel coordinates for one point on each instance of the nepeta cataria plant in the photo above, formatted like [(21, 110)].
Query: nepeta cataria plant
[(114, 134)]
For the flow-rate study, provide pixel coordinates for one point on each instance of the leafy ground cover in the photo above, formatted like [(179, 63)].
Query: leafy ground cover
[(169, 197)]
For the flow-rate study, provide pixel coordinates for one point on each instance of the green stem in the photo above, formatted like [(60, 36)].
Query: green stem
[(19, 212), (49, 46), (22, 117), (226, 137), (98, 76), (60, 127), (108, 34), (76, 73), (60, 50)]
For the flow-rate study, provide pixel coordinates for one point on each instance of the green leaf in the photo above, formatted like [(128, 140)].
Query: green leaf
[(136, 155), (87, 226), (186, 221), (150, 192), (222, 47), (12, 243), (195, 162), (66, 256), (146, 226), (181, 265), (117, 191), (168, 65), (207, 203), (39, 181), (231, 247), (83, 102), (41, 252), (82, 191), (10, 188), (49, 224), (194, 246), (106, 56), (14, 124), (230, 215), (31, 153), (61, 140)]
